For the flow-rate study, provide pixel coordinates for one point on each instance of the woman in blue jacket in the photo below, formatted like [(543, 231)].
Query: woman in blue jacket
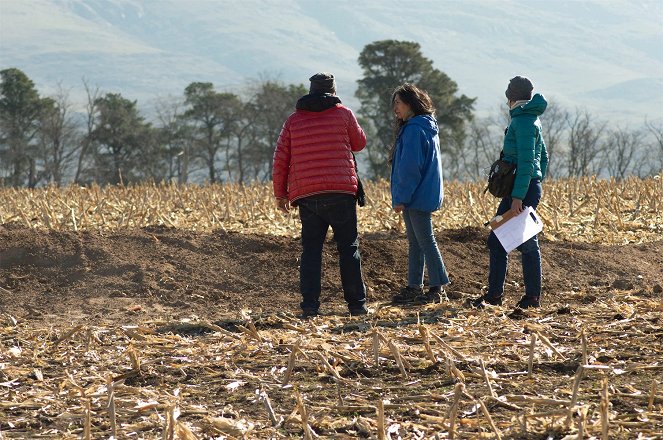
[(417, 190), (525, 147)]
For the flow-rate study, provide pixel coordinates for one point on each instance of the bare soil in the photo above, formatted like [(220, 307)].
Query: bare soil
[(130, 275), (61, 291)]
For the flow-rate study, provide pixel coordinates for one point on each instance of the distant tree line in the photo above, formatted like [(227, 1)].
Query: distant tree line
[(215, 136)]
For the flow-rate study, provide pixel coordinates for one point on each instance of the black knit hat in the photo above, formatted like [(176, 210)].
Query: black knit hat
[(519, 88), (322, 83)]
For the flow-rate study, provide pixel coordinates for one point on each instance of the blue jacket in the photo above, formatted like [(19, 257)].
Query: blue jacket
[(524, 145), (416, 171)]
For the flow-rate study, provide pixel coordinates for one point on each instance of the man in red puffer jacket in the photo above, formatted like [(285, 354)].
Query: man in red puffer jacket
[(314, 170)]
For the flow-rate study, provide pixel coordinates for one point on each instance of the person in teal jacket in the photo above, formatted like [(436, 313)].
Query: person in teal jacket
[(417, 190), (525, 147)]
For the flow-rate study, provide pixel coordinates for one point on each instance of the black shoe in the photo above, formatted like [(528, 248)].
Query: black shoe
[(407, 295), (434, 295), (527, 302), (309, 313), (484, 300), (359, 311)]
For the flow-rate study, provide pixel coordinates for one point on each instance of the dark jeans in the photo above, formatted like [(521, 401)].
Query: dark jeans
[(530, 252), (317, 213)]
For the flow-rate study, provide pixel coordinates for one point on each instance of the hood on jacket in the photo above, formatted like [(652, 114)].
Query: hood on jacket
[(535, 106), (317, 102), (427, 122)]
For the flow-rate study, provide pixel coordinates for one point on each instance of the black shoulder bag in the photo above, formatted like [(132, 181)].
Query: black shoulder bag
[(501, 178), (361, 195)]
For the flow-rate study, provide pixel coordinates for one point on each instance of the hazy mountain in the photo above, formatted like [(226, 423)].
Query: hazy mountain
[(605, 55)]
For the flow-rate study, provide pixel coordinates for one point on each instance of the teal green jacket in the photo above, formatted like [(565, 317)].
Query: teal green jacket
[(524, 145)]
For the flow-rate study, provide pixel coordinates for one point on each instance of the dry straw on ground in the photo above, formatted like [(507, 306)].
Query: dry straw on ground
[(587, 209), (586, 369), (275, 376)]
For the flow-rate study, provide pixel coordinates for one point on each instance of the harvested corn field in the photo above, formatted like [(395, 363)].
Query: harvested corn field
[(166, 312)]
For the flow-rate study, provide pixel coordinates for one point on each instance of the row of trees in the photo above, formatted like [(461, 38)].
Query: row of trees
[(208, 135), (578, 145), (204, 135)]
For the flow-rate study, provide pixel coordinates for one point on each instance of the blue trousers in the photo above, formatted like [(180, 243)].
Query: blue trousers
[(530, 252), (423, 250)]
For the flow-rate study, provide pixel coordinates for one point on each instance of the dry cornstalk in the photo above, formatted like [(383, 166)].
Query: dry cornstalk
[(453, 411), (268, 406), (254, 330), (652, 394), (399, 359), (291, 362), (380, 420), (582, 416), (486, 378), (401, 362), (183, 432), (455, 372), (530, 361), (423, 331), (547, 342), (484, 409), (574, 397), (67, 335), (250, 332), (583, 340), (111, 405), (329, 368), (449, 347), (87, 431), (133, 357), (376, 346), (304, 417), (605, 407), (169, 427)]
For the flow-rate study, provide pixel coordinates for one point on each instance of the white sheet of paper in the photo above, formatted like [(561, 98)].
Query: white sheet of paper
[(519, 229)]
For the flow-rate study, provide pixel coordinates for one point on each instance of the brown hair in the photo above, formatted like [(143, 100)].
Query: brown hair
[(416, 98), (419, 102)]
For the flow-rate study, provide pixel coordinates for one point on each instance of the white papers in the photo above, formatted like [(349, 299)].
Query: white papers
[(519, 229)]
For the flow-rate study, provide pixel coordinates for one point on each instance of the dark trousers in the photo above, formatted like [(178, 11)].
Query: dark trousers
[(530, 252), (317, 214)]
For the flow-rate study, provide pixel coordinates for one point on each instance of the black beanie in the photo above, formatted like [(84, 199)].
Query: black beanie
[(322, 83), (519, 88)]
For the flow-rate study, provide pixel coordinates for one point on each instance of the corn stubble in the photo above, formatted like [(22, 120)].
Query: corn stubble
[(458, 373), (586, 209)]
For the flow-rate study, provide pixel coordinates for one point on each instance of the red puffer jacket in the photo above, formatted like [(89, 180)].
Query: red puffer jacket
[(314, 153)]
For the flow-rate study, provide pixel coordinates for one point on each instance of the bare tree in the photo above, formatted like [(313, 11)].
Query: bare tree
[(58, 137), (482, 146), (621, 148), (656, 130), (555, 122), (175, 138), (585, 144), (93, 95)]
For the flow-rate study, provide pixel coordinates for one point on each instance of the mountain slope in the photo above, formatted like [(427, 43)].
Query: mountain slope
[(574, 51)]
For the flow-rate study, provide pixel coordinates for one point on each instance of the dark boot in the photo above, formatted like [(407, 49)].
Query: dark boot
[(527, 302), (483, 300), (434, 295), (407, 295)]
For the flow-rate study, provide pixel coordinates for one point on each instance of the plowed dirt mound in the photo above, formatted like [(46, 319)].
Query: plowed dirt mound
[(132, 275)]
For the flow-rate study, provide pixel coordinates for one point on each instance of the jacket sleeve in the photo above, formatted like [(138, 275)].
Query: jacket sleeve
[(357, 135), (544, 159), (281, 164), (407, 174), (525, 150)]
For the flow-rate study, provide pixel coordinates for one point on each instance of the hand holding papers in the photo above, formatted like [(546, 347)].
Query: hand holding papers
[(512, 231)]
